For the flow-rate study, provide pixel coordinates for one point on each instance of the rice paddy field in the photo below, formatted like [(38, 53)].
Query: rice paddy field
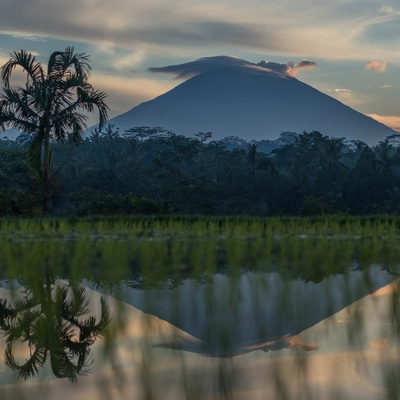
[(200, 308)]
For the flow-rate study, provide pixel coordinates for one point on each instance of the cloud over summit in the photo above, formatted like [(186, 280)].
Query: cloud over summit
[(206, 64), (289, 68)]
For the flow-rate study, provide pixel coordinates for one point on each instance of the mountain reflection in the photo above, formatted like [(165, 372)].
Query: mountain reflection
[(50, 320), (254, 311)]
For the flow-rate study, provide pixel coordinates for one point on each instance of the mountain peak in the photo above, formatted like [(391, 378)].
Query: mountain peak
[(232, 97)]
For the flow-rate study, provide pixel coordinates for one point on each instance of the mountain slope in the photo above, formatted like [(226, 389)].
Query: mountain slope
[(251, 105)]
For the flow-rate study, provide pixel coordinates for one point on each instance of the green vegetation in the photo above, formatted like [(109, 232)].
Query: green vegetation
[(155, 250), (50, 107), (147, 172)]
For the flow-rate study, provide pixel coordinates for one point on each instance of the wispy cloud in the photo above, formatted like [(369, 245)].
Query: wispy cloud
[(207, 64), (25, 36), (341, 90), (389, 10), (118, 58), (277, 26), (347, 96), (387, 86), (376, 66)]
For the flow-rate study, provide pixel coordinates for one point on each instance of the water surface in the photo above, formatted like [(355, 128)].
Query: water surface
[(200, 309)]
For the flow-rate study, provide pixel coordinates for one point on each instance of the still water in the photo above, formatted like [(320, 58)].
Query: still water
[(188, 315)]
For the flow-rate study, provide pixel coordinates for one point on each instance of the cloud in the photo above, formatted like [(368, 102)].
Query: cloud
[(289, 68), (132, 25), (207, 64), (119, 59), (376, 66), (160, 28), (303, 65), (347, 96), (392, 121), (339, 90), (388, 10)]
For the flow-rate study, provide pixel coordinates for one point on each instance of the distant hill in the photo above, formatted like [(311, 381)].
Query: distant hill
[(253, 105), (9, 134)]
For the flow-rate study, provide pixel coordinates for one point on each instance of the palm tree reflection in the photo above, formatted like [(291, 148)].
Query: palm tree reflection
[(51, 320)]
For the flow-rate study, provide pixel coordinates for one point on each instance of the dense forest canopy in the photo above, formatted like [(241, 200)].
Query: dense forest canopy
[(151, 170)]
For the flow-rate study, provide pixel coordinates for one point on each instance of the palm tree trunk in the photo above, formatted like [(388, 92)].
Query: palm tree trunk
[(46, 173)]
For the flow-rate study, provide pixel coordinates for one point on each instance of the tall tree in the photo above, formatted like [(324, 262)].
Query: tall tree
[(251, 157), (52, 105)]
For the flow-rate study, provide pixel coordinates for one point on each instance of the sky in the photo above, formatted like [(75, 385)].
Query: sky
[(351, 47)]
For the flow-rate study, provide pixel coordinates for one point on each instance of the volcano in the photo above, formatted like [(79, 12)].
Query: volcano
[(253, 105)]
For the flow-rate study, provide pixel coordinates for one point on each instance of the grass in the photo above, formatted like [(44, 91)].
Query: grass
[(191, 247)]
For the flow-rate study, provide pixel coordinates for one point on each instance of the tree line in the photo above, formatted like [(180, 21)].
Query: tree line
[(154, 171)]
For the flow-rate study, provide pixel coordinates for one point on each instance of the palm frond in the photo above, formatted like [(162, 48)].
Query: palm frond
[(90, 329), (25, 304), (17, 110), (6, 312), (80, 61), (80, 305), (63, 367), (30, 367), (61, 63), (89, 100), (25, 60)]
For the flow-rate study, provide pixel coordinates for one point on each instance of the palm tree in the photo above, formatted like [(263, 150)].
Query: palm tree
[(50, 321), (51, 106), (386, 157)]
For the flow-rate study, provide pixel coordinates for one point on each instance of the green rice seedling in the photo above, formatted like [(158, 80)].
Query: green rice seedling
[(198, 245)]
